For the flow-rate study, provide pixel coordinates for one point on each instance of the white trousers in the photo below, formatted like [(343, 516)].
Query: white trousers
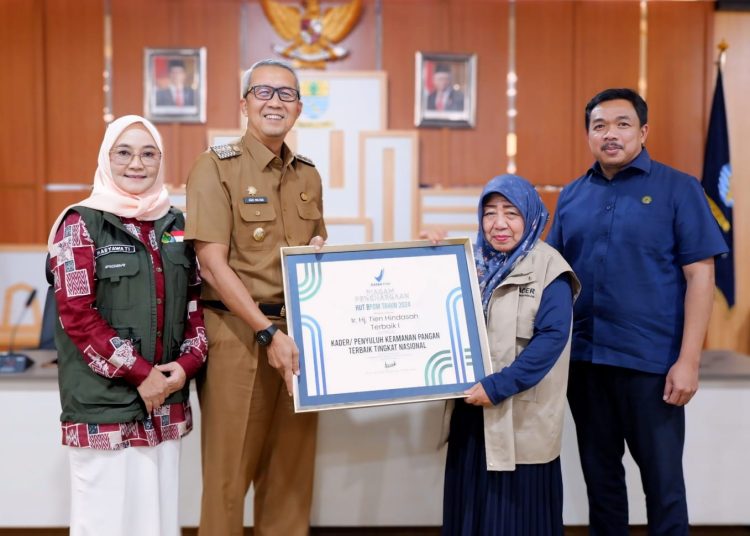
[(126, 492)]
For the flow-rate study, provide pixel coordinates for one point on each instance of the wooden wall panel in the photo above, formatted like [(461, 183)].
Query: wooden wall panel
[(74, 40), (450, 157), (22, 143), (606, 55), (678, 36), (409, 27), (191, 24), (544, 63), (20, 92), (476, 155), (21, 221)]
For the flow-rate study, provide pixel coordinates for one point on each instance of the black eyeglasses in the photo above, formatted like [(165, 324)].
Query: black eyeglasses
[(286, 94)]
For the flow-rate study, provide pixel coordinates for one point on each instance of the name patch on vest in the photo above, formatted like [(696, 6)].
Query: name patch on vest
[(527, 292), (114, 248)]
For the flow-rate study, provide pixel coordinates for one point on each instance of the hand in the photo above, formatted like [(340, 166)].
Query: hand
[(283, 355), (682, 382), (176, 378), (154, 390), (434, 235), (477, 396), (317, 242)]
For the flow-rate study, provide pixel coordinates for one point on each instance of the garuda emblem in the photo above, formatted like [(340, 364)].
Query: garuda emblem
[(313, 34)]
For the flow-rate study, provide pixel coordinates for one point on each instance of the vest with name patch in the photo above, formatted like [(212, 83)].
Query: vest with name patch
[(126, 299)]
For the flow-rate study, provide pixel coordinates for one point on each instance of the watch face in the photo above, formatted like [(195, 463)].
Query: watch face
[(263, 337)]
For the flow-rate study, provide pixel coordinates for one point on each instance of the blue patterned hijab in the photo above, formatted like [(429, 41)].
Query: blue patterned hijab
[(493, 266)]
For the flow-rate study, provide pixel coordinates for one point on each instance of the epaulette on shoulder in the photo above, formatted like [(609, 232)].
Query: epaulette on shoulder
[(226, 151), (304, 159)]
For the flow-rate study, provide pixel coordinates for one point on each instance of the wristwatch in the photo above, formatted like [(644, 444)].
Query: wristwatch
[(264, 336)]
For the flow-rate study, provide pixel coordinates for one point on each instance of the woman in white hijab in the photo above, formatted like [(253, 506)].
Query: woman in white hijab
[(129, 338)]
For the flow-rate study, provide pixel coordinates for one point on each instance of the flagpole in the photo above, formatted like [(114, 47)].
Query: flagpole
[(722, 46)]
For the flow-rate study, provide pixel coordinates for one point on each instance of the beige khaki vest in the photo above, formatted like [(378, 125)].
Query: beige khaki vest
[(525, 428)]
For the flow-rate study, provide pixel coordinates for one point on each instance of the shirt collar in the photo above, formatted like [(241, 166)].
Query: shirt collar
[(642, 163), (262, 155)]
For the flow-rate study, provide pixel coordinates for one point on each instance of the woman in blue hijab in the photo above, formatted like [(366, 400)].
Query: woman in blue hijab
[(503, 472)]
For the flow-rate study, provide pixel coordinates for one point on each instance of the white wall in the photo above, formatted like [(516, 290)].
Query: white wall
[(377, 466)]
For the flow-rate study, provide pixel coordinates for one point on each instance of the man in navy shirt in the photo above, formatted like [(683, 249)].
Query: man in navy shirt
[(642, 240)]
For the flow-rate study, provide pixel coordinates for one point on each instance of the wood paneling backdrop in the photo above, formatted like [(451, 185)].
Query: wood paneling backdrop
[(51, 97)]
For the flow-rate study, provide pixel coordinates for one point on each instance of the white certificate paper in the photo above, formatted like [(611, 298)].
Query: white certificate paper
[(382, 324)]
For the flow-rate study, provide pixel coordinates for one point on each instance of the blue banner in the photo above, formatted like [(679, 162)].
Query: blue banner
[(717, 175)]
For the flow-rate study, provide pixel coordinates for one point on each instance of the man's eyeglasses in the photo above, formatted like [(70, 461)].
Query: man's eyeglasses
[(123, 157), (286, 94)]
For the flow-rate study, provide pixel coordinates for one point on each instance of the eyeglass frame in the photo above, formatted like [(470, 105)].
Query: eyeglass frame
[(275, 91), (113, 155)]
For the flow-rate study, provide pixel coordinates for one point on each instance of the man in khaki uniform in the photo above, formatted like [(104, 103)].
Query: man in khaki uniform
[(245, 201)]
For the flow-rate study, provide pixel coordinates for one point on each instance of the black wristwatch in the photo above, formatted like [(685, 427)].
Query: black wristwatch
[(264, 336)]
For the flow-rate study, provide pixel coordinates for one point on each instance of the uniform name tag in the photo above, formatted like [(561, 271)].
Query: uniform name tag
[(259, 200), (114, 248)]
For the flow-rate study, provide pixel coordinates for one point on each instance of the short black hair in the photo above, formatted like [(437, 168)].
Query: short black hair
[(176, 63), (641, 108)]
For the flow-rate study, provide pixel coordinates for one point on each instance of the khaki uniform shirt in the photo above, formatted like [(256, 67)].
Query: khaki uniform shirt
[(254, 202)]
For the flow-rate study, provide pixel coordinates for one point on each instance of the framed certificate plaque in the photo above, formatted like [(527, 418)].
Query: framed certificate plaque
[(384, 323)]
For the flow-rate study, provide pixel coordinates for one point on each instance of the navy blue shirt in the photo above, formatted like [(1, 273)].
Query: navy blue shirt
[(627, 240), (550, 335)]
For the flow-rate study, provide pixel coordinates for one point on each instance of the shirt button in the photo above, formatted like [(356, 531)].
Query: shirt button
[(158, 333), (158, 269), (608, 207), (158, 301)]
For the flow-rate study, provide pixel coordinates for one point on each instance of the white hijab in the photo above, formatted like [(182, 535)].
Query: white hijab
[(108, 197)]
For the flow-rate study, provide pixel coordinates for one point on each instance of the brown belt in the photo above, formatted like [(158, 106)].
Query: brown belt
[(268, 309)]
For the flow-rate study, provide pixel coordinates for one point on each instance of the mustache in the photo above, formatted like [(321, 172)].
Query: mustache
[(611, 145)]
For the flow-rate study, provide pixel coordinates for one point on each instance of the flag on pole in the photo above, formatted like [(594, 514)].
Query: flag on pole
[(717, 175)]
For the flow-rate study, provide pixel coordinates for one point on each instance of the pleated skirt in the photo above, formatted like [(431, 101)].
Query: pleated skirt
[(478, 502)]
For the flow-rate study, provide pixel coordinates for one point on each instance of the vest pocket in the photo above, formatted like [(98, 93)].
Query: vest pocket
[(115, 271), (95, 390), (524, 332), (175, 254), (529, 395)]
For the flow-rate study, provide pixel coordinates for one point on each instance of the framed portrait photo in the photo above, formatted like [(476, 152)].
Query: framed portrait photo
[(445, 90), (174, 85)]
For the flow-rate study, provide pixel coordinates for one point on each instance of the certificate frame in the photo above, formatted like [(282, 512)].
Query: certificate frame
[(430, 339)]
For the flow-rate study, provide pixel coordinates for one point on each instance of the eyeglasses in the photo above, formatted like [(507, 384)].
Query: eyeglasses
[(286, 94), (123, 157)]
